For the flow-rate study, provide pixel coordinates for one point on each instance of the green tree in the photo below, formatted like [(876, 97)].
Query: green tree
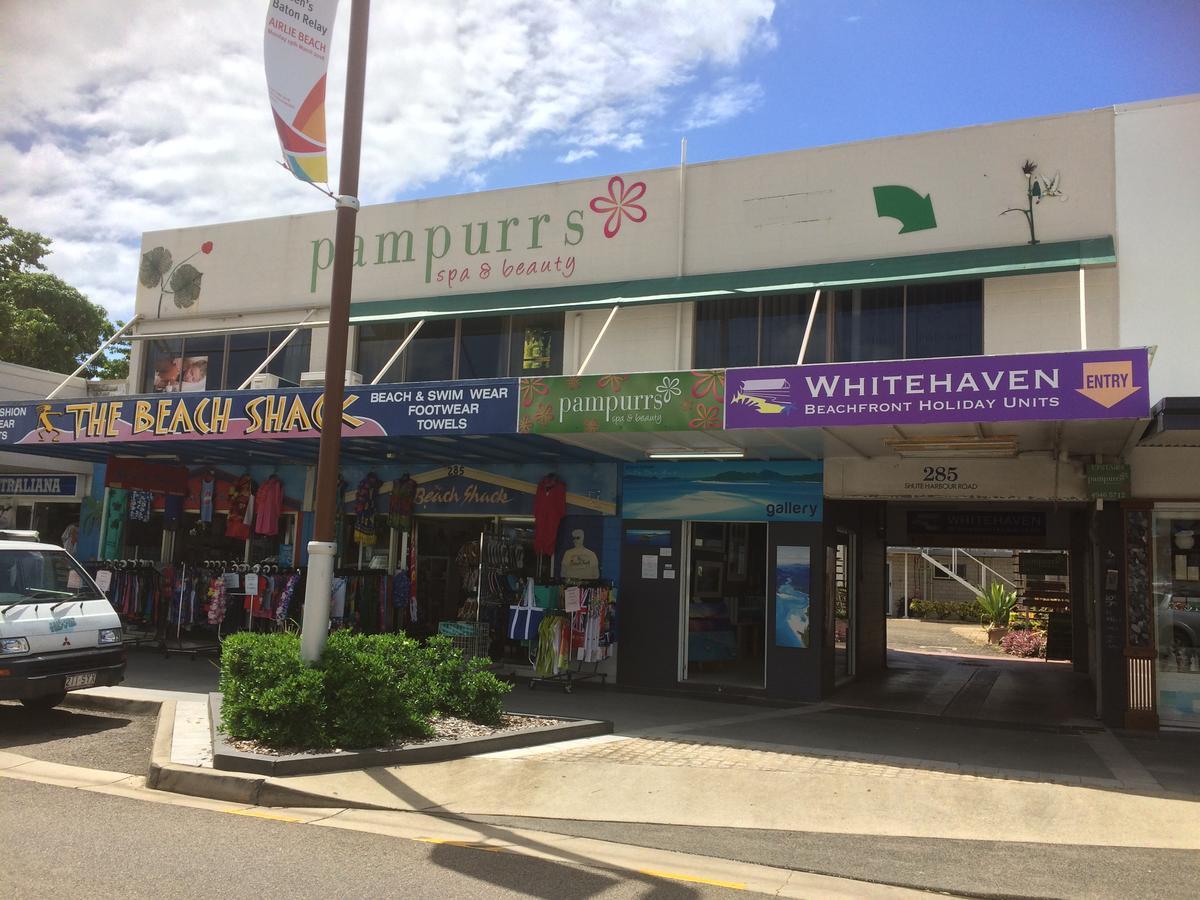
[(44, 322)]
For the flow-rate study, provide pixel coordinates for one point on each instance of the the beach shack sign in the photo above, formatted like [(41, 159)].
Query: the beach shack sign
[(429, 408)]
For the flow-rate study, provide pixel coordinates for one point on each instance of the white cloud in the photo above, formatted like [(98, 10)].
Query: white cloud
[(155, 116), (728, 99), (575, 156)]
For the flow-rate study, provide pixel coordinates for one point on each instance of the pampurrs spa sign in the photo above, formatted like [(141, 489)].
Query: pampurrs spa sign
[(646, 401), (1087, 384), (533, 248)]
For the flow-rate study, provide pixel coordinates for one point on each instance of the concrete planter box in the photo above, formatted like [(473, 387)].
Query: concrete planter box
[(995, 634), (229, 759)]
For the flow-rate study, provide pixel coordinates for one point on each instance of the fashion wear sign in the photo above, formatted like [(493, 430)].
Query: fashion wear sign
[(1086, 384)]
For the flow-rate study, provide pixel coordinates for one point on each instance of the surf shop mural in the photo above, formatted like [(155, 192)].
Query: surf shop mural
[(791, 596), (725, 491)]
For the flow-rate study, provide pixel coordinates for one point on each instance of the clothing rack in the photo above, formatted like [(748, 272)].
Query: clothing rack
[(373, 601), (201, 600), (501, 561), (583, 635), (136, 593)]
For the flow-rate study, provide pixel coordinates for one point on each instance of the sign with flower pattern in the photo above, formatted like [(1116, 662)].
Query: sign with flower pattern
[(643, 401)]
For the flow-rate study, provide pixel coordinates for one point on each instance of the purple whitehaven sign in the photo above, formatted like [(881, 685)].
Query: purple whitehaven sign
[(1084, 384)]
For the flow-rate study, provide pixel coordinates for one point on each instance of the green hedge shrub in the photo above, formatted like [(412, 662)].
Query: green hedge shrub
[(941, 609), (269, 694), (369, 700), (367, 691)]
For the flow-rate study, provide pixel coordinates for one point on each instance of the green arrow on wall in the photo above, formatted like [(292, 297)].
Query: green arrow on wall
[(914, 212)]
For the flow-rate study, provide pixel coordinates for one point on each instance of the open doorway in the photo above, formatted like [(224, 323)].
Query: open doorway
[(942, 597), (946, 658), (725, 613)]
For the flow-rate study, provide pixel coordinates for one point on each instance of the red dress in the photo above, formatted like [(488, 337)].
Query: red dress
[(549, 507)]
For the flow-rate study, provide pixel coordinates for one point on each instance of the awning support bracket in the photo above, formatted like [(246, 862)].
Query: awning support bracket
[(87, 362), (812, 317), (596, 343)]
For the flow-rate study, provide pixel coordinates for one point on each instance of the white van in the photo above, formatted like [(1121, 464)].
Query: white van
[(58, 632)]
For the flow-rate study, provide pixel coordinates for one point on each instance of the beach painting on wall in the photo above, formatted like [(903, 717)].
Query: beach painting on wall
[(791, 596)]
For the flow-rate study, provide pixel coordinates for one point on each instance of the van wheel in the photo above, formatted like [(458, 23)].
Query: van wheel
[(46, 701)]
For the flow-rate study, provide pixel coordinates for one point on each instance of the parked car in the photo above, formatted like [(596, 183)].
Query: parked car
[(1181, 614), (58, 632)]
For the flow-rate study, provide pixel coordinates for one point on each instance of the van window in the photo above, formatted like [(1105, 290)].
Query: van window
[(39, 575)]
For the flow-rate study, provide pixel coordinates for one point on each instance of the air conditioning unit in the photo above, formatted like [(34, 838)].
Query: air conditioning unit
[(109, 388), (264, 381), (317, 379)]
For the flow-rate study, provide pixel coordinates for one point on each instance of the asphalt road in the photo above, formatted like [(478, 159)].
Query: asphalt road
[(71, 843), (962, 868), (117, 742)]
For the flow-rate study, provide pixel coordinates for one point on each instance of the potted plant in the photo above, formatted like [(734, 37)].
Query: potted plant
[(997, 604)]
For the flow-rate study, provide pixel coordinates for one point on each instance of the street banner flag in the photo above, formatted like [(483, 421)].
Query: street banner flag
[(296, 57)]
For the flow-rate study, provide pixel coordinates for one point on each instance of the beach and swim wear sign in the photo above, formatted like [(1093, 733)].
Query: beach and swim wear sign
[(1085, 384), (486, 406)]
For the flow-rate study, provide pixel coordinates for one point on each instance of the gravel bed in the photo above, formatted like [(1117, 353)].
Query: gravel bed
[(445, 728)]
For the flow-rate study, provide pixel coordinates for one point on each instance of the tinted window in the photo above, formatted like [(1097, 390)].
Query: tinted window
[(483, 347), (870, 324), (292, 359), (430, 356), (944, 320), (377, 341), (784, 318), (726, 333)]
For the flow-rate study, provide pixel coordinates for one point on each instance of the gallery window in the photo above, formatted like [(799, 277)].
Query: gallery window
[(222, 361), (449, 349), (899, 322)]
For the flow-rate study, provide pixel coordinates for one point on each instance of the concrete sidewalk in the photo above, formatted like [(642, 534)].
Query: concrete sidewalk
[(694, 763)]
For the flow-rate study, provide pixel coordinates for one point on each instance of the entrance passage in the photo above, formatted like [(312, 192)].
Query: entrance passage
[(726, 604), (946, 658)]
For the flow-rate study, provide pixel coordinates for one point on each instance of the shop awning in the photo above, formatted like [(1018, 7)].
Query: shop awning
[(992, 262), (1175, 422)]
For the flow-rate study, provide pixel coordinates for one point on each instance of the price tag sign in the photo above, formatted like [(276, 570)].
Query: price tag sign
[(73, 580), (103, 579), (252, 584), (232, 580)]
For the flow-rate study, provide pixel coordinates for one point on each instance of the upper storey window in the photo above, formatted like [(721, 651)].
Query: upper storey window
[(904, 322)]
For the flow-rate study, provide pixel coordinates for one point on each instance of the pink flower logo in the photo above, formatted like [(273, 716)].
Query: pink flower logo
[(620, 202)]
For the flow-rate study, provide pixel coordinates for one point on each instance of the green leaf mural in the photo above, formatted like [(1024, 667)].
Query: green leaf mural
[(155, 265), (185, 285)]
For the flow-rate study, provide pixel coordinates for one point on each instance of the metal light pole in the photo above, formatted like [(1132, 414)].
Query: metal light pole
[(322, 549)]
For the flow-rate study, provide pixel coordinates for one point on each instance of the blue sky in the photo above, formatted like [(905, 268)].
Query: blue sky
[(850, 71), (117, 125)]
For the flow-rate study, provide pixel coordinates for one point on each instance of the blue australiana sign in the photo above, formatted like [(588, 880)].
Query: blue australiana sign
[(427, 408)]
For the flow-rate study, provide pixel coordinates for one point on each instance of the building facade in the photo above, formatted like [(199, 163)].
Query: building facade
[(750, 378)]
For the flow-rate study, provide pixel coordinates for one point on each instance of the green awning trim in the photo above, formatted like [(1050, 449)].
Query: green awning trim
[(1023, 259)]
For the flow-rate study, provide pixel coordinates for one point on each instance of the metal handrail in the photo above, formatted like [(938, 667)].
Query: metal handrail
[(986, 567)]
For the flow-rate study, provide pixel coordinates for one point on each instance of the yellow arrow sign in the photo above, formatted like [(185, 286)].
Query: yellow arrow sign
[(1108, 383)]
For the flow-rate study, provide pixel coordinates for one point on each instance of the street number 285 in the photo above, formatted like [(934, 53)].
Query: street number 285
[(940, 473)]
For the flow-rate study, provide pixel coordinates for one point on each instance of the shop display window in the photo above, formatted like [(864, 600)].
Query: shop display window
[(1177, 613)]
